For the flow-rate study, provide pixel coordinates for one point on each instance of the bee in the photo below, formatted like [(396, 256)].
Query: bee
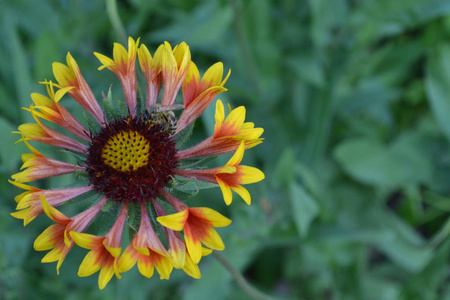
[(162, 115)]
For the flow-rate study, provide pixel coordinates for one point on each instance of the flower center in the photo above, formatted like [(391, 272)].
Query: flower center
[(126, 151), (131, 160)]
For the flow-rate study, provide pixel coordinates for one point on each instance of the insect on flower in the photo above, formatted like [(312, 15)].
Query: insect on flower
[(162, 115)]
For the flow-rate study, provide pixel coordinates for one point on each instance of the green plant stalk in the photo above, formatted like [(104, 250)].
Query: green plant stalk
[(113, 15), (243, 283)]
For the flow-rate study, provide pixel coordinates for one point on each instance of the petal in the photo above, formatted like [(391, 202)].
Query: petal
[(115, 252), (106, 273), (54, 214), (215, 219), (164, 267), (213, 240), (191, 268), (174, 221), (226, 191), (213, 76), (250, 174), (63, 74), (32, 130), (21, 214), (146, 267), (236, 118), (128, 259), (85, 240), (41, 100), (91, 263), (219, 116), (206, 251), (177, 249), (227, 170), (182, 55), (193, 244), (52, 256), (105, 60), (120, 54), (237, 156), (48, 238), (243, 192)]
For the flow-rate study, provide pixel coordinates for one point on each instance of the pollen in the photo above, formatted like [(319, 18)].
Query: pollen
[(126, 151)]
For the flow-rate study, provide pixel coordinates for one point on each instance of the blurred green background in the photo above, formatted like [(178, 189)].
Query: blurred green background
[(354, 96)]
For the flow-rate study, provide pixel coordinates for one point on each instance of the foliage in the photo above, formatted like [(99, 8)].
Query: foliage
[(354, 97)]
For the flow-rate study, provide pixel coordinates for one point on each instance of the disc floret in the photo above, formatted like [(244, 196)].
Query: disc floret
[(128, 160)]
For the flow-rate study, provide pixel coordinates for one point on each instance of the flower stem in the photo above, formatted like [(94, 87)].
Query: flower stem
[(243, 283), (113, 14)]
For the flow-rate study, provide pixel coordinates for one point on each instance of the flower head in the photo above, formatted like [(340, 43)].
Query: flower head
[(130, 164)]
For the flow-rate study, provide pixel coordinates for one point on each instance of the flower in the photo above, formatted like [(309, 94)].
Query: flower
[(131, 163)]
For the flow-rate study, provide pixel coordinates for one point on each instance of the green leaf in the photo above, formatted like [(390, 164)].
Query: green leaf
[(285, 168), (304, 208), (372, 162), (437, 82)]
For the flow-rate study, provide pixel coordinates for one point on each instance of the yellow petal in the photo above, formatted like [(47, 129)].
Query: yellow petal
[(44, 240), (174, 221), (105, 60), (220, 113), (213, 76), (250, 175), (143, 251), (41, 100), (236, 117), (146, 268), (32, 130), (182, 55), (120, 54), (127, 259), (191, 268), (52, 256), (145, 58), (115, 252), (51, 212), (106, 273), (226, 191), (177, 251), (63, 74), (213, 241), (61, 92), (84, 240), (21, 214), (89, 265), (245, 195), (193, 245), (71, 63), (251, 133), (23, 186), (164, 267), (157, 57), (237, 156), (226, 78), (227, 169), (206, 251), (215, 218)]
